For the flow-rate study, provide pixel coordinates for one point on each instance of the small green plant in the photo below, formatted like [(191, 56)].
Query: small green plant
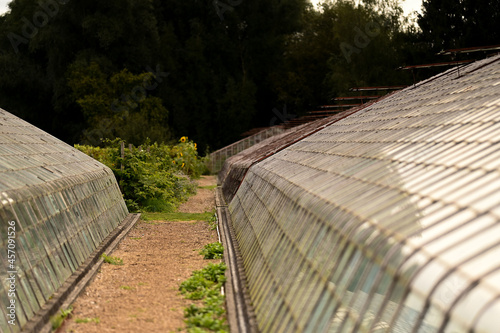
[(205, 285), (212, 251), (126, 288), (95, 320), (204, 282), (59, 318), (212, 221), (208, 317), (111, 260)]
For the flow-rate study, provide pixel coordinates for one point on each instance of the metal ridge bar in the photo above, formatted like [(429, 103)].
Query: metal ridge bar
[(376, 88), (354, 97), (437, 64), (470, 49), (340, 105)]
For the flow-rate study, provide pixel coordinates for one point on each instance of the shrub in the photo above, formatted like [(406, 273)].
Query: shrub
[(212, 251), (153, 177), (205, 285)]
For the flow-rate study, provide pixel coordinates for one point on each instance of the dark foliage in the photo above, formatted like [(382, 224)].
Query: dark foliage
[(86, 70)]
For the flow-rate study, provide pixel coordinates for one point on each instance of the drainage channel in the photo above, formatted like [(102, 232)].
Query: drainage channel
[(77, 282), (240, 314)]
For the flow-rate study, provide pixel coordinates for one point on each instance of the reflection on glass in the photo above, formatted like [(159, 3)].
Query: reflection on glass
[(387, 220), (63, 204)]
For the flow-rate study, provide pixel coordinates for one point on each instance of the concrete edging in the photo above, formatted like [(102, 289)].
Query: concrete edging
[(240, 314)]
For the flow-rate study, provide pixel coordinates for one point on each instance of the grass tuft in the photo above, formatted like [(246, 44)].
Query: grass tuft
[(58, 319), (127, 288), (210, 187), (111, 260), (173, 217)]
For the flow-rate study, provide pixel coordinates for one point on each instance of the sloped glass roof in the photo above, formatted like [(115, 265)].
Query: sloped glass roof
[(62, 204), (387, 220)]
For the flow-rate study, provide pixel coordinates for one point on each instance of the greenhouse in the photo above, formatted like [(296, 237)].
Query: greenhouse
[(381, 218), (56, 207), (385, 220)]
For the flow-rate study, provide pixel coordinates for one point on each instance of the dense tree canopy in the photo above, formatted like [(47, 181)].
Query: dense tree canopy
[(342, 46), (209, 69), (454, 24)]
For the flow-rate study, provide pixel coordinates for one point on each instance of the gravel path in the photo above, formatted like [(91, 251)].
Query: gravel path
[(142, 294)]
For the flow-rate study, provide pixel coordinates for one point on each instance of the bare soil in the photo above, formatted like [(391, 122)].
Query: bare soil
[(142, 294)]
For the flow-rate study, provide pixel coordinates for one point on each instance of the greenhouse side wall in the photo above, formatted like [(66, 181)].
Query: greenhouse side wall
[(234, 170), (217, 158), (385, 221), (56, 207)]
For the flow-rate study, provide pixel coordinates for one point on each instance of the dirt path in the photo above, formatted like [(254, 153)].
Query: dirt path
[(142, 294)]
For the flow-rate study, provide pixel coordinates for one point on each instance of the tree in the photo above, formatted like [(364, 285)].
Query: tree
[(341, 46), (222, 64), (228, 66), (449, 24), (118, 105), (41, 40)]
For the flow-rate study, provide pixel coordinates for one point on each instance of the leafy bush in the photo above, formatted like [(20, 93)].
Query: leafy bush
[(185, 157), (212, 251), (152, 177), (212, 221), (205, 284)]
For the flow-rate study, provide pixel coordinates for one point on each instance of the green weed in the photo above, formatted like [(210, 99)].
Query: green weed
[(205, 285), (87, 320), (126, 288), (111, 260), (212, 251), (212, 220), (59, 318)]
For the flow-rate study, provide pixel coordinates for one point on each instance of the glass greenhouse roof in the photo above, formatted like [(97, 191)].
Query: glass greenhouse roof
[(387, 220), (61, 203)]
